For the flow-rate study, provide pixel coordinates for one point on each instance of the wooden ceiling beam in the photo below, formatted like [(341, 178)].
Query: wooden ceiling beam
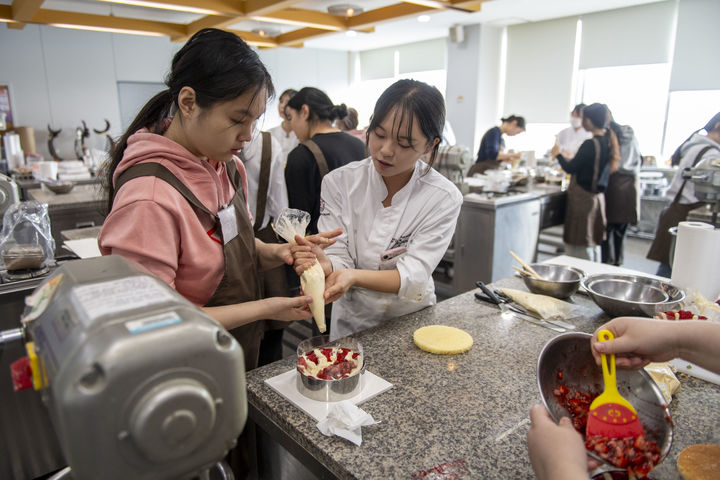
[(208, 7), (22, 11), (262, 7), (57, 17), (212, 21), (306, 18), (296, 37), (256, 40), (386, 14)]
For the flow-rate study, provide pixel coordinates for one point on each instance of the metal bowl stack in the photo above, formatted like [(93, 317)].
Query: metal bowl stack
[(330, 390), (558, 281), (58, 186), (570, 354), (632, 295)]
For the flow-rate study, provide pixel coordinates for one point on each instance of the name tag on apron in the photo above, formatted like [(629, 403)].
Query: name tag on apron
[(228, 223)]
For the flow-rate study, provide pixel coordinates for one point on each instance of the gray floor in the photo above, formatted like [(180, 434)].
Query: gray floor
[(278, 464)]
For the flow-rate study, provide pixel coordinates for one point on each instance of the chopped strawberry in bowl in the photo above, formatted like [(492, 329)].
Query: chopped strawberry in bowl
[(330, 371)]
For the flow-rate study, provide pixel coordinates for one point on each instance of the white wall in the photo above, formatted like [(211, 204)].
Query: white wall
[(305, 67), (62, 76), (473, 83)]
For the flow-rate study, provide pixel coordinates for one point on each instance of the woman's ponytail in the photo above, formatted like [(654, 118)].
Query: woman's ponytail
[(614, 149), (151, 115), (338, 111)]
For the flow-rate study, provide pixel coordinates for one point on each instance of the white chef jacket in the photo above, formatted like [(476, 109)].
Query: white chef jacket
[(287, 141), (689, 151), (570, 139), (277, 198), (421, 219)]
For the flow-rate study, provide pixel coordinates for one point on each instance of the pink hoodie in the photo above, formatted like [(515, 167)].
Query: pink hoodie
[(152, 224)]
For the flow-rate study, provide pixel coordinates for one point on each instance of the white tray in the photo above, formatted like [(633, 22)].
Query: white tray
[(284, 384)]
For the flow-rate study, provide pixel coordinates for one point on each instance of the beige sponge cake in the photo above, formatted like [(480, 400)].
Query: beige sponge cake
[(699, 462), (442, 339)]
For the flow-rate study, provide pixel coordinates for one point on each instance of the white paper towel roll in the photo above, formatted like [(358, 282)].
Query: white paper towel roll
[(696, 264)]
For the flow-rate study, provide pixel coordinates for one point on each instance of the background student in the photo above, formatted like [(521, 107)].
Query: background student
[(323, 148)]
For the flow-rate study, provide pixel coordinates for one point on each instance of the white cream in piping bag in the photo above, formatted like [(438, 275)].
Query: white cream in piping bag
[(293, 222)]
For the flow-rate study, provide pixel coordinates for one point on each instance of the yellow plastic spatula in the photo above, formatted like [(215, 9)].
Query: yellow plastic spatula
[(610, 414)]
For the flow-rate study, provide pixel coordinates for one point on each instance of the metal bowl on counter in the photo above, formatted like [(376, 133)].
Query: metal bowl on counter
[(567, 360), (334, 389), (632, 295), (559, 281), (58, 186)]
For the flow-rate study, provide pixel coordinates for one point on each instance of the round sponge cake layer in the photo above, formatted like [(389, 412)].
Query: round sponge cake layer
[(442, 339), (699, 462)]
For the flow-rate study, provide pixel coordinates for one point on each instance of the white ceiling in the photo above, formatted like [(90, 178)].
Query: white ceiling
[(494, 12)]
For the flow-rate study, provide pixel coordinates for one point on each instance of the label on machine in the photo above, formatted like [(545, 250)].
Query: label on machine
[(117, 296), (153, 322)]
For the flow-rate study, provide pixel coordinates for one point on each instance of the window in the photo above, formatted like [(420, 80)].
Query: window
[(687, 112), (637, 96)]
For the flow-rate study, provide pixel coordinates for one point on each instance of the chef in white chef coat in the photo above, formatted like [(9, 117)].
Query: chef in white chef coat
[(569, 139), (397, 214), (277, 198)]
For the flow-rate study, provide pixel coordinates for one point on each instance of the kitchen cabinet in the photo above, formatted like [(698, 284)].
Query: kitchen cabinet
[(488, 228)]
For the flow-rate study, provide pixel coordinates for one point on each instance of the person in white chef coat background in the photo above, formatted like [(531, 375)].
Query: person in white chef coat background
[(277, 198), (264, 163), (569, 139), (283, 133), (397, 215)]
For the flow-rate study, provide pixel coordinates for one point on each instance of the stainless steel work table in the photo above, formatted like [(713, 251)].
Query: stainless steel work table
[(472, 406)]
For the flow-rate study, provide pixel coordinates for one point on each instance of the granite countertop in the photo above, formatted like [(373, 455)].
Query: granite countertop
[(473, 406), (79, 194)]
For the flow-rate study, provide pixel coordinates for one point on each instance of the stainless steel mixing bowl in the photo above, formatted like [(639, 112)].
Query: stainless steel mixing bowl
[(559, 281), (58, 186), (330, 390), (632, 295), (570, 353)]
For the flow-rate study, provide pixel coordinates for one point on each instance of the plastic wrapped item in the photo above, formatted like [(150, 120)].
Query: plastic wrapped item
[(26, 240), (293, 222)]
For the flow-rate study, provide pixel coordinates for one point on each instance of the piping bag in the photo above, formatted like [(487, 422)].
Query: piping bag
[(293, 222)]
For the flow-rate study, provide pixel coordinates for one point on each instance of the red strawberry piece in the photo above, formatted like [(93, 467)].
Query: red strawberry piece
[(312, 357), (341, 354)]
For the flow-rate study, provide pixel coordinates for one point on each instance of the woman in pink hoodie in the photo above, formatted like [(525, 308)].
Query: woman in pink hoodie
[(178, 192)]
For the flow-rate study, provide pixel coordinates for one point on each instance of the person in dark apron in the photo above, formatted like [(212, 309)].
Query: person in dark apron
[(585, 221), (684, 200), (265, 166), (490, 155), (311, 114), (622, 197)]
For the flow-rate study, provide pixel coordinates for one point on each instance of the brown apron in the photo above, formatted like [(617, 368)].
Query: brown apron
[(585, 221), (324, 170), (621, 198), (480, 167), (319, 157), (240, 282), (273, 282), (670, 217)]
